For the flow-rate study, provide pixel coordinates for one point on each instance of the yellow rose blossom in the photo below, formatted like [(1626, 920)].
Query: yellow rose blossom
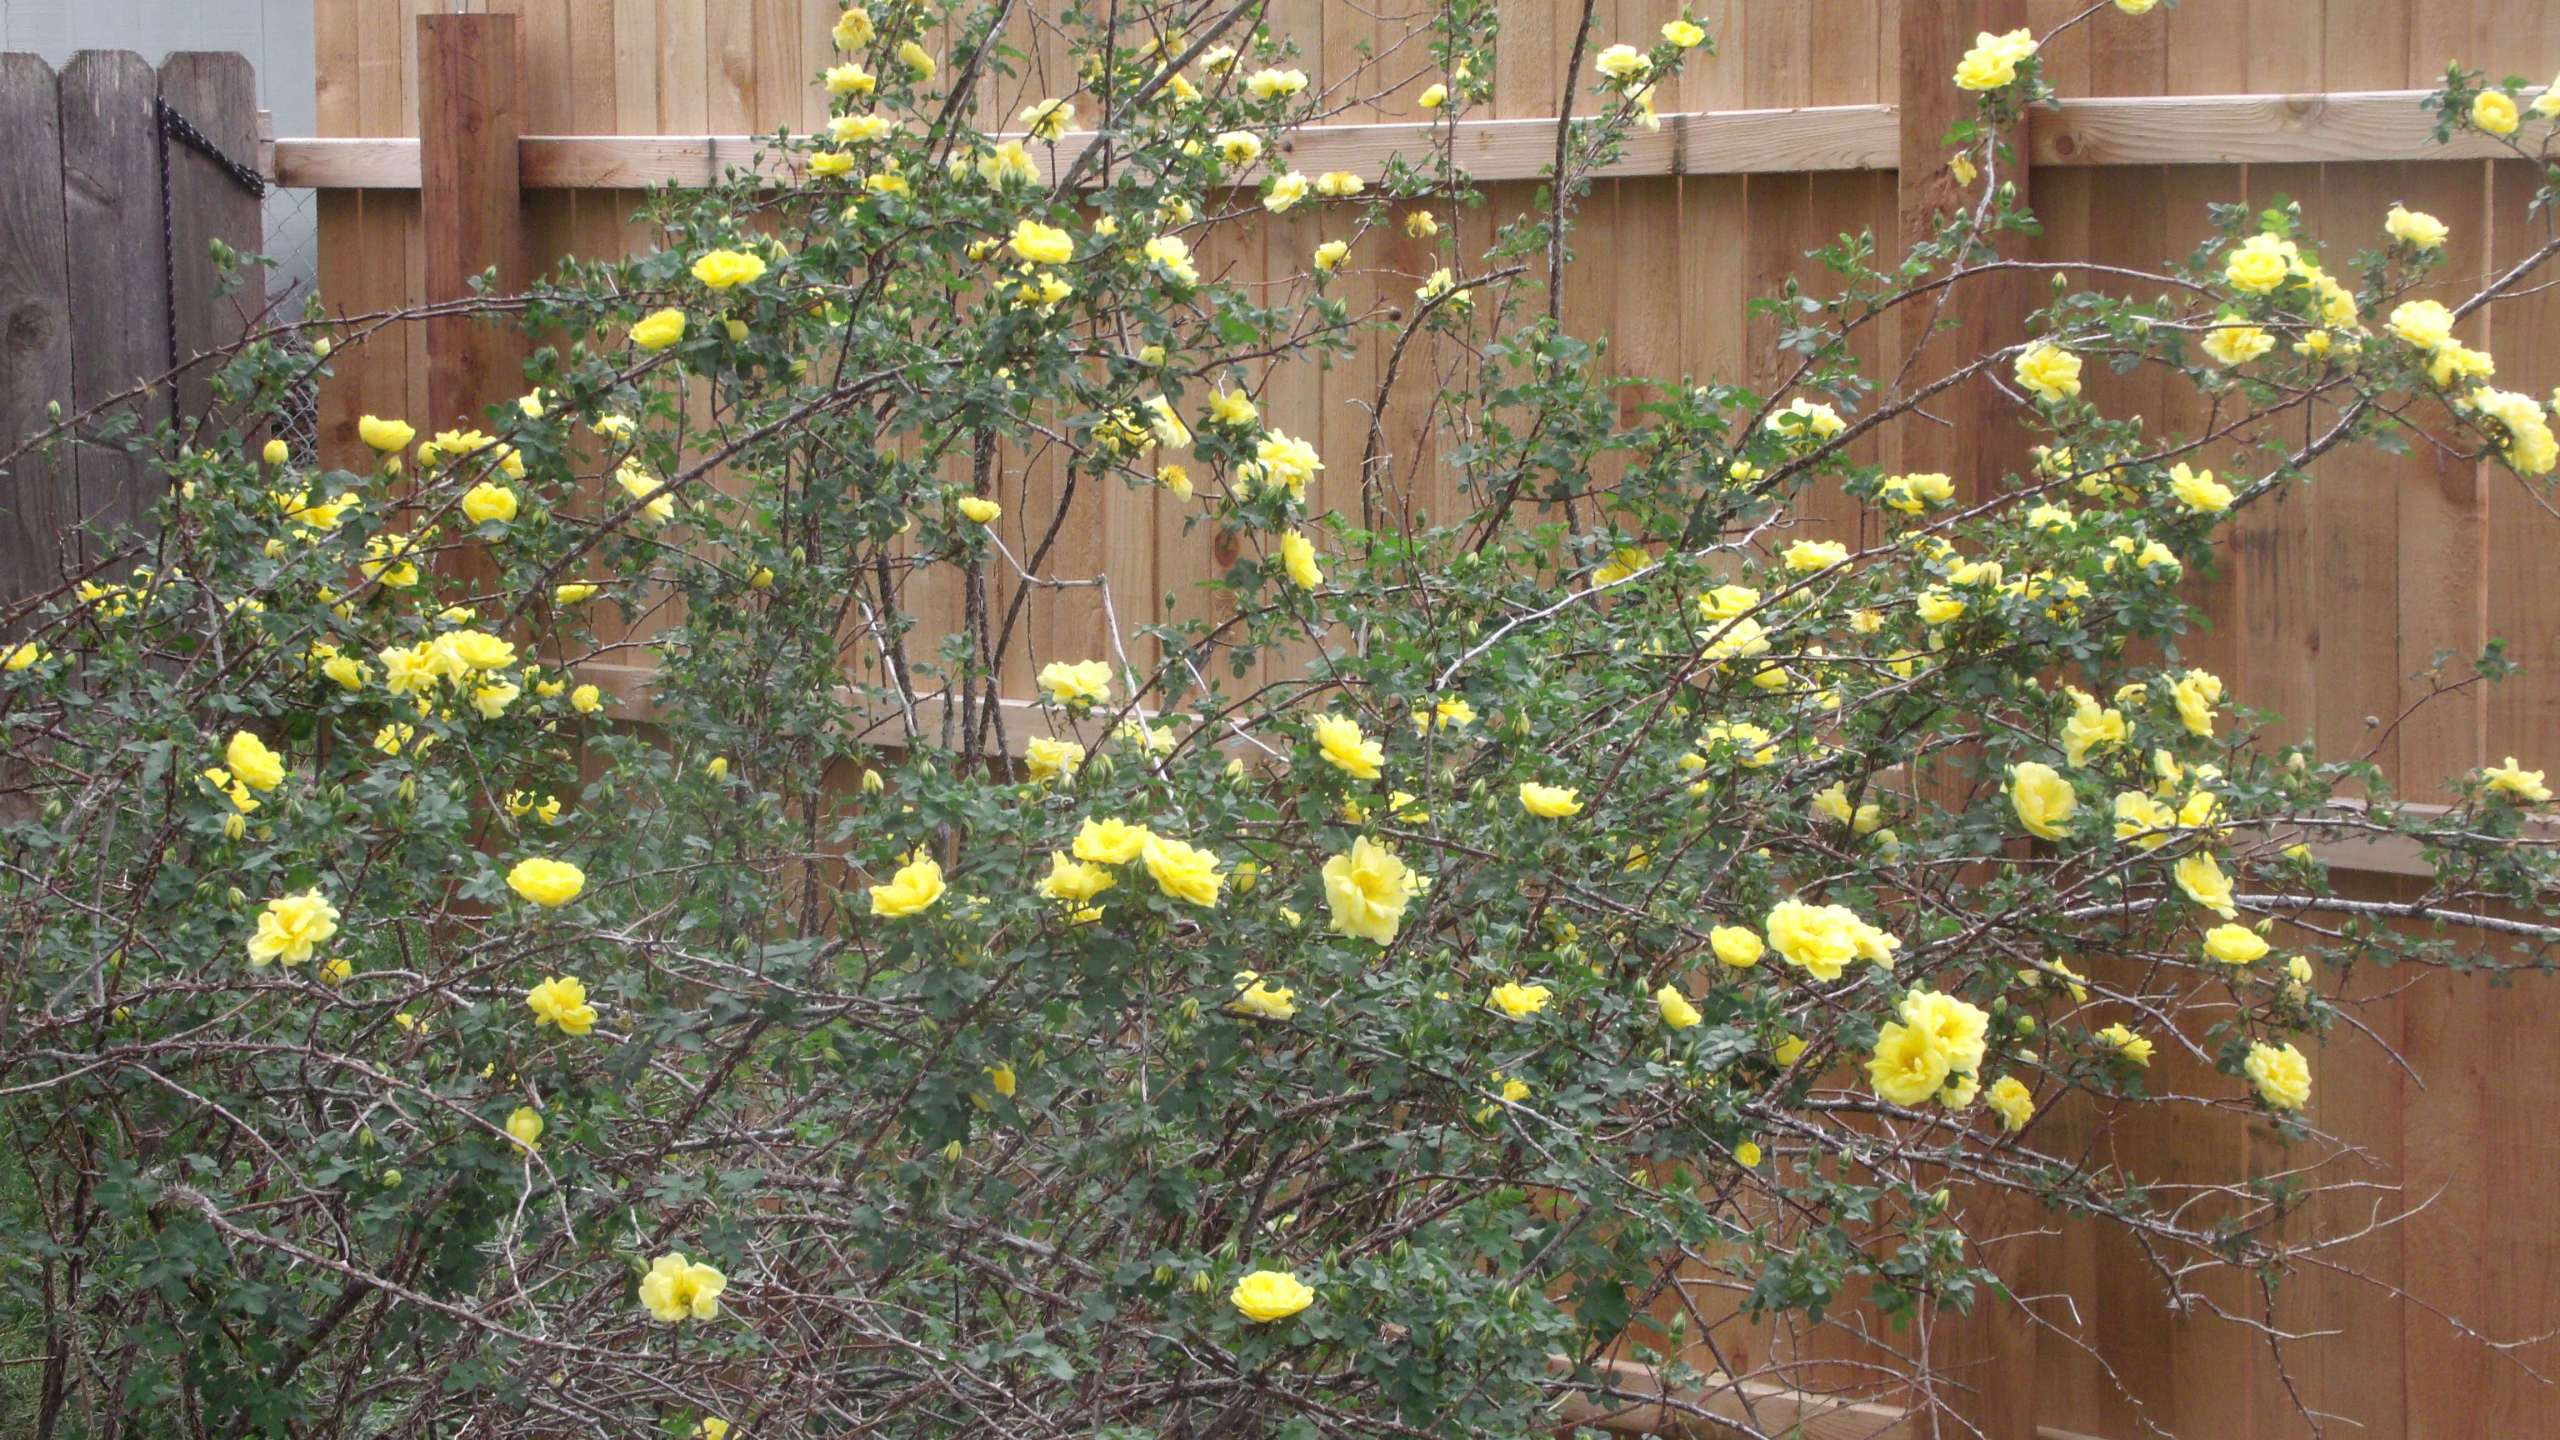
[(1908, 1067), (2050, 372), (2198, 490), (1993, 61), (1421, 224), (1042, 244), (1735, 946), (1340, 184), (1675, 1008), (19, 657), (525, 1127), (1809, 555), (2091, 725), (1805, 419), (1262, 1001), (851, 79), (1911, 494), (547, 883), (1433, 96), (2237, 344), (291, 926), (2197, 692), (2416, 228), (2043, 799), (1073, 881), (853, 29), (1685, 33), (2012, 1101), (2425, 324), (979, 509), (562, 1001), (1367, 889), (2281, 1075), (1045, 759), (2234, 945), (2126, 1043), (2201, 877), (724, 269), (1518, 1001), (1080, 683), (586, 699), (912, 890), (1549, 802), (2260, 264), (677, 1289), (1621, 62), (2515, 783), (1959, 1028), (1238, 148), (2525, 437), (1341, 744), (387, 436), (1298, 558), (1268, 1295), (1182, 871), (1110, 842), (2493, 112), (658, 329), (1048, 119), (252, 763)]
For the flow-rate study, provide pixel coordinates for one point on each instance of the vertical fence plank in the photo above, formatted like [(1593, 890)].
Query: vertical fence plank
[(35, 327), (472, 94), (218, 94), (117, 277)]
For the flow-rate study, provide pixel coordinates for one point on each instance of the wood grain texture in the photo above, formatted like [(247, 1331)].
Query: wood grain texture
[(117, 273), (35, 328), (472, 86), (219, 94)]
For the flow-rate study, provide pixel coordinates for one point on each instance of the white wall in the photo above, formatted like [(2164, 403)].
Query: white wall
[(274, 34)]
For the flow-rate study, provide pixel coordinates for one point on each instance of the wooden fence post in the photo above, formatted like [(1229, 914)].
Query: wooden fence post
[(1985, 1362), (471, 111)]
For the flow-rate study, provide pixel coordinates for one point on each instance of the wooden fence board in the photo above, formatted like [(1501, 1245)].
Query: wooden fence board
[(35, 325), (117, 275), (218, 94)]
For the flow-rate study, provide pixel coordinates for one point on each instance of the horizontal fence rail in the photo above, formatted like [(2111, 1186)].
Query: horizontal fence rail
[(2365, 125)]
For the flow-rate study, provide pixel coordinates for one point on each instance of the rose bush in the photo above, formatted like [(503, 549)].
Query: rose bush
[(1622, 908)]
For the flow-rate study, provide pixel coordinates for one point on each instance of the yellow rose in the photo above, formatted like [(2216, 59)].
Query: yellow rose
[(1084, 682), (2237, 344), (485, 502), (677, 1289), (1268, 1295), (1182, 870), (1676, 1010), (1685, 33), (562, 1001), (2416, 228), (1110, 842), (1620, 62), (2050, 371), (388, 436), (2234, 945), (2517, 783), (2197, 693), (1048, 119), (2282, 1076), (1042, 244), (1073, 881), (252, 762), (2260, 263), (2200, 875), (290, 926), (525, 1127), (1958, 1028), (586, 699), (2127, 1044), (2011, 1099), (1517, 1001), (1549, 802), (1045, 759), (1254, 998), (2494, 112), (1342, 745), (1298, 557), (1736, 946), (658, 330), (1814, 938), (1908, 1067), (919, 64), (459, 651), (2425, 324), (853, 30), (547, 883), (912, 890), (19, 657), (722, 269), (2136, 7), (2043, 799), (1367, 888), (574, 593)]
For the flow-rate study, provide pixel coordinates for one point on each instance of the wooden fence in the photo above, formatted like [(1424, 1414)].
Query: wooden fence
[(108, 214), (2327, 604)]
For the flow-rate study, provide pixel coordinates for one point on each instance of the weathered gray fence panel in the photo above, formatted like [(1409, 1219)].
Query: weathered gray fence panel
[(219, 94), (37, 499), (119, 285)]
